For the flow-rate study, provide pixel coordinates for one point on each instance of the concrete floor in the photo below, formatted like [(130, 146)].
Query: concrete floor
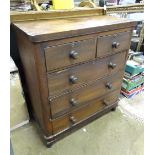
[(116, 133), (18, 105)]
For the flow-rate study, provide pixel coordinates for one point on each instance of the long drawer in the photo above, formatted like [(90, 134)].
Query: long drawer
[(69, 53), (73, 77), (83, 113), (79, 97), (113, 43)]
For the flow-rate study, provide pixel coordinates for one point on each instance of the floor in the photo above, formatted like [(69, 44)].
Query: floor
[(116, 133), (18, 105)]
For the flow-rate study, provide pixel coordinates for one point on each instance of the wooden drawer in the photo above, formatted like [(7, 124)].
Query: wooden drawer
[(83, 113), (109, 44), (79, 97), (69, 53), (73, 77)]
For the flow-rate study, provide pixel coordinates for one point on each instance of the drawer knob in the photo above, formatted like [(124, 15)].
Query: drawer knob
[(112, 65), (73, 54), (105, 102), (73, 102), (109, 85), (115, 45), (73, 79), (73, 120)]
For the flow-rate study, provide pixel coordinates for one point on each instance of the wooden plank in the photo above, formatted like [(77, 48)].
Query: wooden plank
[(77, 12), (54, 14), (130, 8)]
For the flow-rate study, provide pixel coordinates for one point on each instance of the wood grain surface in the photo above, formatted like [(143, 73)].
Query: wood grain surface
[(83, 113), (60, 56), (105, 43), (44, 30), (85, 94), (59, 81)]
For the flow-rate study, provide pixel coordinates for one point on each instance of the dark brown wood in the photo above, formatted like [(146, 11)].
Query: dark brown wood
[(73, 69), (62, 104), (71, 53), (60, 80), (84, 37), (35, 74), (83, 113), (27, 57), (113, 43)]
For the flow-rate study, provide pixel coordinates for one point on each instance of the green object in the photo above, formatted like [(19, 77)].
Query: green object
[(130, 84), (133, 68)]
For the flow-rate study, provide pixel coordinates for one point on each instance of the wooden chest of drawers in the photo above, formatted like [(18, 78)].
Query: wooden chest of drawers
[(73, 69)]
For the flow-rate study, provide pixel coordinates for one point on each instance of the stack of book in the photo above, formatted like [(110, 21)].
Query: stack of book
[(133, 81)]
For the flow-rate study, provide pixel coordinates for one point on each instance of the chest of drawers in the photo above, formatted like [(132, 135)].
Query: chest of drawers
[(73, 69)]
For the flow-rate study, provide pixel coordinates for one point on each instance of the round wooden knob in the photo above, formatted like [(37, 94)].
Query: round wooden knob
[(115, 45), (73, 54), (109, 85), (73, 102), (112, 65), (105, 102), (73, 79), (73, 120)]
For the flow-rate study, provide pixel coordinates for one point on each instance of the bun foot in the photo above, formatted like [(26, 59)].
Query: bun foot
[(113, 109)]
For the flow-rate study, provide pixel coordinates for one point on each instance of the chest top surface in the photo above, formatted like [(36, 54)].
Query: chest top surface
[(44, 30)]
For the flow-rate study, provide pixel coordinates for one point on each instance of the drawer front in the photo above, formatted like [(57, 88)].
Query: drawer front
[(83, 113), (69, 53), (113, 43), (80, 97), (73, 77)]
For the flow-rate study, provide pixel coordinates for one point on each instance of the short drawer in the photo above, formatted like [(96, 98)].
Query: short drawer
[(69, 53), (113, 43), (73, 77), (85, 112), (64, 103)]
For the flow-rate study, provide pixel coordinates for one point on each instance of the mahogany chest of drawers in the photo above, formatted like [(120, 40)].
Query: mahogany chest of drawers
[(73, 69)]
